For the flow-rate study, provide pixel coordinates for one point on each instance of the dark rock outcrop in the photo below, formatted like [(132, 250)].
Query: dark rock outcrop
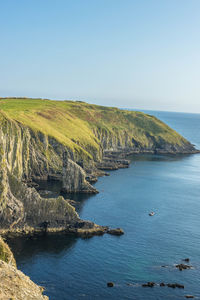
[(162, 284), (186, 259), (175, 285), (117, 231), (183, 267), (149, 284), (110, 284)]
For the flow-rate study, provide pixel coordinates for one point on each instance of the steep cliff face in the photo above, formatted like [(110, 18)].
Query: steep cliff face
[(28, 153), (74, 177), (20, 206), (138, 134)]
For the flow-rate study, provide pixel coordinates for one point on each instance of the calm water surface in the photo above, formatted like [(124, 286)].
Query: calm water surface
[(74, 268)]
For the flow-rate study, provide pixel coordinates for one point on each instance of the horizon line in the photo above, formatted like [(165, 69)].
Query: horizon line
[(125, 108)]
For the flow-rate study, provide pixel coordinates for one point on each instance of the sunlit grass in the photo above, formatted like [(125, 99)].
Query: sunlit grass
[(73, 123)]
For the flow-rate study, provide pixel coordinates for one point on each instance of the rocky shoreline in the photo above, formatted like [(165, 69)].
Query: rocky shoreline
[(73, 148)]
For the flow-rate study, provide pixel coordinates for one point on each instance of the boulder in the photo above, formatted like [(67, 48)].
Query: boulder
[(110, 284)]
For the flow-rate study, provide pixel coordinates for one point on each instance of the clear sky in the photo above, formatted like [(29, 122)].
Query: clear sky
[(126, 53)]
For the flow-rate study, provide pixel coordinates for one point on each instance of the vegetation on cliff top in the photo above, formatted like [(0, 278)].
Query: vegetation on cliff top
[(75, 123)]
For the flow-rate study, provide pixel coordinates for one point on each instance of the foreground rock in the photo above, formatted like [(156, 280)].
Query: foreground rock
[(6, 254), (15, 285)]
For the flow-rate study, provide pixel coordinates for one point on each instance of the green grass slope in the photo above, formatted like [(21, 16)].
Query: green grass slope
[(76, 124)]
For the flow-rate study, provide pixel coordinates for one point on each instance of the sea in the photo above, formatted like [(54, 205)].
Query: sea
[(73, 268)]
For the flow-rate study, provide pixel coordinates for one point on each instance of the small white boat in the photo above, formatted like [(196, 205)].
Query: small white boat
[(151, 213)]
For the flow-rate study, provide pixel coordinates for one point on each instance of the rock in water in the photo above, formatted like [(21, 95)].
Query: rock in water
[(149, 284), (162, 284), (117, 231), (110, 284), (175, 285), (183, 267), (186, 259)]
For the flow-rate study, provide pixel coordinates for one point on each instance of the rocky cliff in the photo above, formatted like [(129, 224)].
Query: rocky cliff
[(13, 283), (71, 142)]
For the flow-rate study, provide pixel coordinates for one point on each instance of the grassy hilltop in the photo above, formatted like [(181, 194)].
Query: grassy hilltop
[(80, 126)]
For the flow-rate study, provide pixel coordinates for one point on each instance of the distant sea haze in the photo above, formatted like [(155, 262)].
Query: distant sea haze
[(73, 268)]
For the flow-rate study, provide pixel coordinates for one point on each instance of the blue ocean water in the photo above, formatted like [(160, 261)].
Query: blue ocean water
[(75, 268)]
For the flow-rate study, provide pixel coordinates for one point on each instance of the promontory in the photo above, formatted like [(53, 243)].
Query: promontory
[(72, 142)]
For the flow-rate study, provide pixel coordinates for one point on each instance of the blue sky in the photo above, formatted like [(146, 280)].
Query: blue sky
[(126, 53)]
